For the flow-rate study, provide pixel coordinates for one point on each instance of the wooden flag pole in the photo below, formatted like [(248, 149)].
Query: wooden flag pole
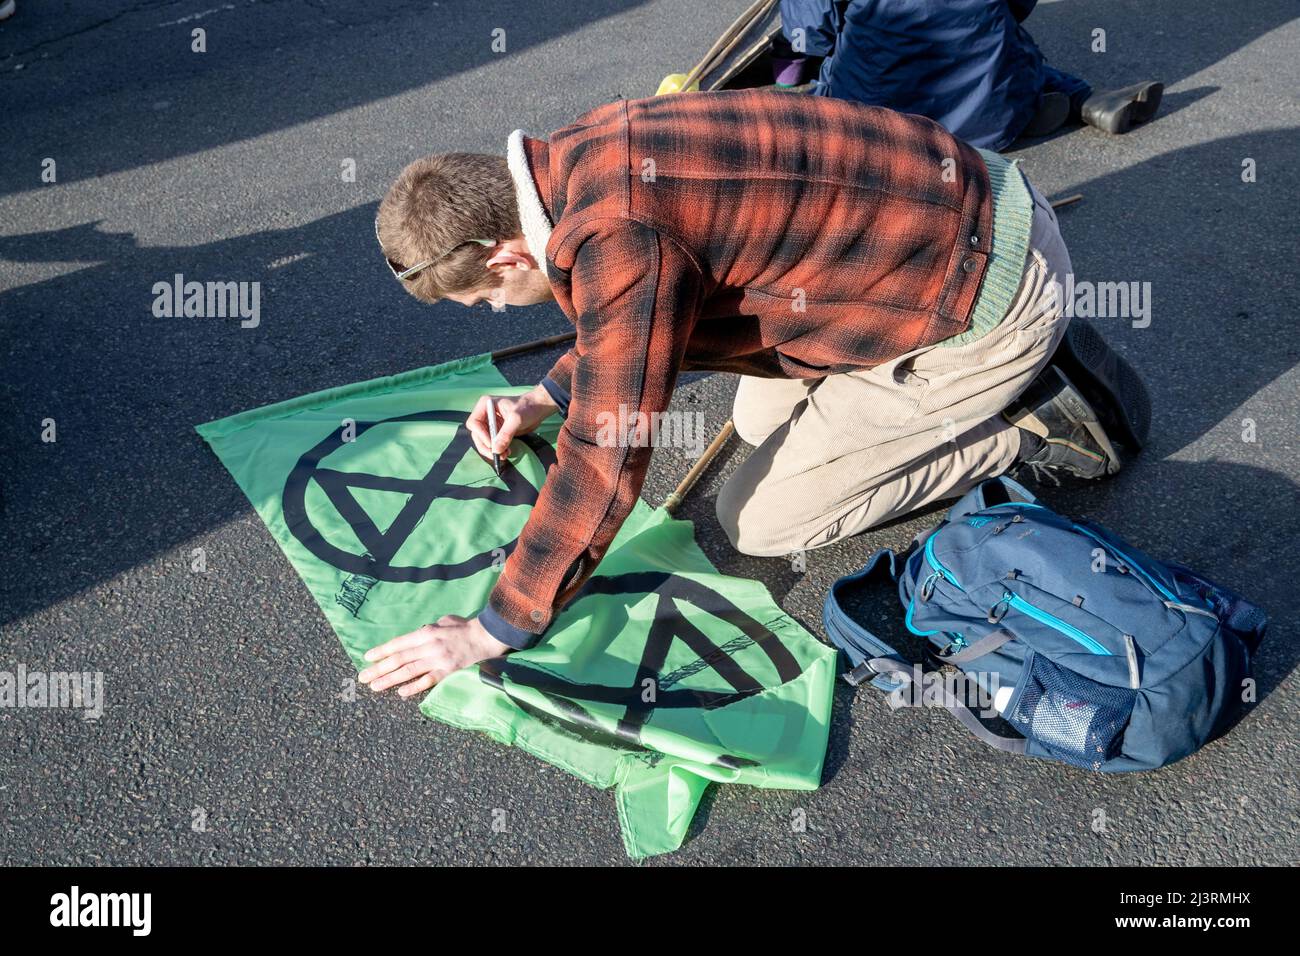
[(672, 502), (1066, 201), (730, 38), (538, 344)]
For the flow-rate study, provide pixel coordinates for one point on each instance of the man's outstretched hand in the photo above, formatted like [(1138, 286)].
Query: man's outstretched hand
[(415, 662)]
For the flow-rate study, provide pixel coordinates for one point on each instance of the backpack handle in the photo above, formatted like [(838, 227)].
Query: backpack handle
[(989, 494)]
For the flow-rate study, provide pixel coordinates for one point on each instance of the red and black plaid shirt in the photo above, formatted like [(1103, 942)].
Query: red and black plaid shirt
[(765, 233)]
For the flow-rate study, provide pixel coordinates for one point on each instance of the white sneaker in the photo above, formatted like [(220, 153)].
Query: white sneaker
[(7, 8)]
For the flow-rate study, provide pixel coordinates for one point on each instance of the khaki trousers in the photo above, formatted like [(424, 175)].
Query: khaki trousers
[(841, 454)]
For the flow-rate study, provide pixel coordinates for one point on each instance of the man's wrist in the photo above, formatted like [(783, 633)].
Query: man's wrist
[(491, 646), (542, 397)]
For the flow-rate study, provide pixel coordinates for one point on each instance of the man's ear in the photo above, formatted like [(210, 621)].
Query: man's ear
[(512, 254)]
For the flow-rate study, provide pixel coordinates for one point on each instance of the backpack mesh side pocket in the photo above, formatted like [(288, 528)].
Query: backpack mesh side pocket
[(1075, 719)]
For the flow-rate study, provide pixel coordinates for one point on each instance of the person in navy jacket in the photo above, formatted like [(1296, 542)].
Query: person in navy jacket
[(967, 64)]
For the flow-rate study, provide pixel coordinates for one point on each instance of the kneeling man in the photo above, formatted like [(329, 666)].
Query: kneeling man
[(888, 293)]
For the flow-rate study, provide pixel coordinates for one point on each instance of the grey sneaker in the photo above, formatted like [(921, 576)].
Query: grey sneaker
[(1060, 431)]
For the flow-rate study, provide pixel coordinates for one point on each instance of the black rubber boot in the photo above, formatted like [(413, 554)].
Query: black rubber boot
[(1060, 432), (1110, 385), (1118, 111), (1053, 110)]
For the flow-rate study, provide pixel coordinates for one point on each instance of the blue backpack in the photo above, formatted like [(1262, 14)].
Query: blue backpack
[(1099, 655)]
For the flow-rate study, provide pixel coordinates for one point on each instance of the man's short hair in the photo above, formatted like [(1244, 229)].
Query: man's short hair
[(435, 207)]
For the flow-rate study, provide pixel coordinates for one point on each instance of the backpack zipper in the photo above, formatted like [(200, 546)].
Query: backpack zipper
[(1100, 540), (1052, 621), (925, 591), (934, 562)]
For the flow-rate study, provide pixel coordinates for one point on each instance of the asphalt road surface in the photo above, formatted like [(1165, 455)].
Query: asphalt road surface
[(222, 687)]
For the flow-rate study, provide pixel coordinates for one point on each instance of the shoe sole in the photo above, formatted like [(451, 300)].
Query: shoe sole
[(1147, 103), (1108, 382), (1141, 109), (1079, 411)]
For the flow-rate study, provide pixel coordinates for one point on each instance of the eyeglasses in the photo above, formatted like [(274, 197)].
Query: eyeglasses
[(403, 273)]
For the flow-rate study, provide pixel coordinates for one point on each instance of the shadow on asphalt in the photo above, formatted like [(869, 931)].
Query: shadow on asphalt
[(1168, 41), (267, 67), (272, 66)]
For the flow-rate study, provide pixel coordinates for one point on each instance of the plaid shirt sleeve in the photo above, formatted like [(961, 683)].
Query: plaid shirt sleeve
[(636, 295)]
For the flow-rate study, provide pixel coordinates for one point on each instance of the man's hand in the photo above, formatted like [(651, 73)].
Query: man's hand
[(515, 416), (418, 660)]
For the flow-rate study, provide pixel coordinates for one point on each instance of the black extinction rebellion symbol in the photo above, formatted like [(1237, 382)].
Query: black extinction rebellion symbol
[(671, 592), (380, 547)]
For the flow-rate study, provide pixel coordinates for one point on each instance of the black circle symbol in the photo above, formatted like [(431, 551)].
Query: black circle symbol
[(382, 546), (671, 592)]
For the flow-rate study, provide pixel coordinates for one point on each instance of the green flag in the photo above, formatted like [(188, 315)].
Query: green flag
[(660, 676)]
